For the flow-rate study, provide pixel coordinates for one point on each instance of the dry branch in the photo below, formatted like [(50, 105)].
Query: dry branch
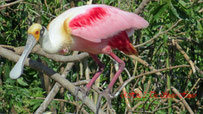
[(54, 90), (144, 63), (55, 76), (145, 74), (141, 7), (186, 57), (62, 100), (183, 100), (158, 34), (55, 57), (10, 4)]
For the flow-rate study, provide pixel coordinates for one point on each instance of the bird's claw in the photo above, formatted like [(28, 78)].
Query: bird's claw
[(108, 97), (83, 90)]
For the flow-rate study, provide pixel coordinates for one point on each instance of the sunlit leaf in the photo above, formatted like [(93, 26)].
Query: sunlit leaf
[(22, 82), (159, 11), (174, 11)]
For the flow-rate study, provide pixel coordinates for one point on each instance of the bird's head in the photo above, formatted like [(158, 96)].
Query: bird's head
[(36, 32)]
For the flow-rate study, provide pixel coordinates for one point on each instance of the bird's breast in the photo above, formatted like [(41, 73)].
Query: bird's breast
[(80, 44)]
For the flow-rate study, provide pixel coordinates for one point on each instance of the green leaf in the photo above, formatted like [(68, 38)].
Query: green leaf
[(159, 11), (182, 3), (199, 26), (7, 70), (22, 82), (174, 11), (183, 13)]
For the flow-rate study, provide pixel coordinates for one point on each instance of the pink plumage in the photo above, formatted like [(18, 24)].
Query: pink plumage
[(101, 28), (96, 29), (102, 22)]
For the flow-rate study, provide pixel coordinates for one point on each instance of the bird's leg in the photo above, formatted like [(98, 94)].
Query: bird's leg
[(89, 85), (101, 69), (120, 70), (106, 92)]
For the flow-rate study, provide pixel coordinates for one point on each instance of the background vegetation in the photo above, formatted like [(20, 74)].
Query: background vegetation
[(175, 25)]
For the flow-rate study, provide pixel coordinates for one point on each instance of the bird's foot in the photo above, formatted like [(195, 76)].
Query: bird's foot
[(64, 51), (106, 94), (83, 90)]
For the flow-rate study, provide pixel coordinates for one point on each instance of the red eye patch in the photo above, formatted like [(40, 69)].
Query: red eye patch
[(37, 32)]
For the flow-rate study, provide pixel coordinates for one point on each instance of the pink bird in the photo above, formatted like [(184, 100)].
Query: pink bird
[(96, 29)]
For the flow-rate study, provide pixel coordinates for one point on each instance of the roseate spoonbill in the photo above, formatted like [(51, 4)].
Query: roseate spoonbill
[(96, 29)]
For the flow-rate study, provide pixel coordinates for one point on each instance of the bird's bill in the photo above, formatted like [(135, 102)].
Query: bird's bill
[(18, 68)]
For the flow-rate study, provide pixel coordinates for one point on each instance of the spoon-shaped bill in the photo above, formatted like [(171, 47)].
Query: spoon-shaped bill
[(18, 68)]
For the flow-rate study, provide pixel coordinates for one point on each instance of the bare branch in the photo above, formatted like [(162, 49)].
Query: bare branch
[(158, 34), (198, 70), (141, 7), (62, 100), (144, 63), (10, 4), (186, 57), (54, 90), (55, 57), (145, 74), (184, 102), (55, 76)]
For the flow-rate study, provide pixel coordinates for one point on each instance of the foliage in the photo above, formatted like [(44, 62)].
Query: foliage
[(22, 95)]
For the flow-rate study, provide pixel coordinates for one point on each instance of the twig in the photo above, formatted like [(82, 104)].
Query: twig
[(178, 101), (157, 108), (183, 100), (158, 34), (144, 63), (150, 104), (137, 105), (141, 7), (10, 4), (55, 76), (198, 70), (124, 89), (147, 73), (192, 88), (152, 39), (186, 56), (201, 10), (54, 90), (128, 73), (62, 100)]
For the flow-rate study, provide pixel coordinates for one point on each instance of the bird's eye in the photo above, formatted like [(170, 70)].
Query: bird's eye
[(37, 32)]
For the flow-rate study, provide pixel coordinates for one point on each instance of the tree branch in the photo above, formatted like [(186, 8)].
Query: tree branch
[(10, 4), (54, 90), (158, 34), (186, 56), (141, 7), (55, 76), (147, 73), (55, 57), (183, 100)]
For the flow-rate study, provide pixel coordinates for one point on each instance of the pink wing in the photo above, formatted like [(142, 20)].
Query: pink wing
[(102, 22)]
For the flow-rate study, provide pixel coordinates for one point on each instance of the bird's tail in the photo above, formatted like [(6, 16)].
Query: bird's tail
[(130, 50), (121, 42)]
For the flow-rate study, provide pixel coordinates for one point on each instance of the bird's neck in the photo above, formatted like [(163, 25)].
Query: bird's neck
[(54, 42), (46, 43)]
